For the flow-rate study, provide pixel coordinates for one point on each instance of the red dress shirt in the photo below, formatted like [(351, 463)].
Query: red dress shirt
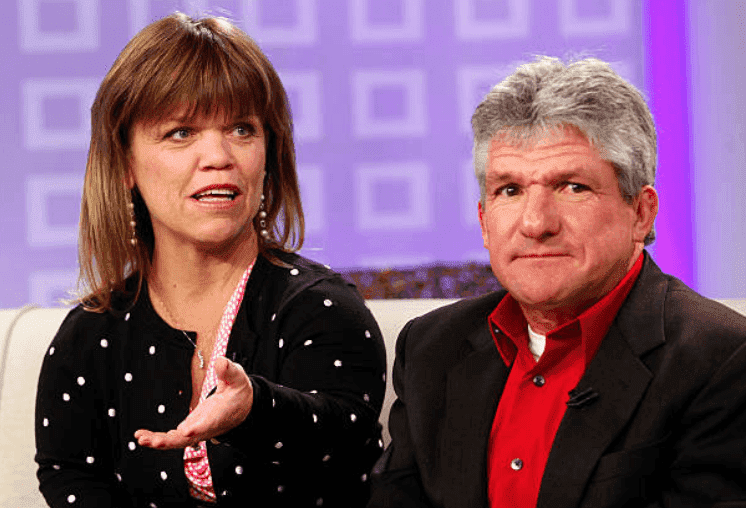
[(535, 395)]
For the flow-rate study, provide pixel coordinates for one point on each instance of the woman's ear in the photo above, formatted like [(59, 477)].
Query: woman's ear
[(129, 179)]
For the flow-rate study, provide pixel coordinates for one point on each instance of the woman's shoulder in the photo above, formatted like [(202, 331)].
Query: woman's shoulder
[(83, 323), (301, 275)]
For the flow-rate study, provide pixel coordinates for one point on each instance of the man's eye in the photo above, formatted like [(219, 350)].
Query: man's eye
[(576, 188), (508, 191)]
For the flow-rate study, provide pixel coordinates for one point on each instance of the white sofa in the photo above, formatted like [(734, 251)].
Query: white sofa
[(24, 336)]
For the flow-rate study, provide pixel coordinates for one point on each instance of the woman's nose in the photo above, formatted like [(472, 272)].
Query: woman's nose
[(215, 151)]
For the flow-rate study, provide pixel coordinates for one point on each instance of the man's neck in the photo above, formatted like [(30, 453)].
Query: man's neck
[(543, 319)]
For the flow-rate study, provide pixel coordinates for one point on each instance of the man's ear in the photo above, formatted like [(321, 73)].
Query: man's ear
[(482, 225), (646, 208)]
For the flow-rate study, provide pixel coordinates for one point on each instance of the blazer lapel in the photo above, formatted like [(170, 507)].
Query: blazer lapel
[(614, 383), (608, 393), (473, 389)]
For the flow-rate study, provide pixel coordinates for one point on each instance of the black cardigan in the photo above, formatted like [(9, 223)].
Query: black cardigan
[(316, 360)]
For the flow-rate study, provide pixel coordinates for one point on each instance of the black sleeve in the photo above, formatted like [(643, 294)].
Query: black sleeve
[(317, 423), (709, 449), (72, 444), (396, 478)]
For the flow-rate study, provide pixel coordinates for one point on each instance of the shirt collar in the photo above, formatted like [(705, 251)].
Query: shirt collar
[(509, 327)]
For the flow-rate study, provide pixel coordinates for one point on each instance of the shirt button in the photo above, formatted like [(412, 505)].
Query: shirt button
[(516, 464), (539, 380)]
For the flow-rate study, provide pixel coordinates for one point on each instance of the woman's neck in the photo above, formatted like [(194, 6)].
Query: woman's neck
[(190, 279)]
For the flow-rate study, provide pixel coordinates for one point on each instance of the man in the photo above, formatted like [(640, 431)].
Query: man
[(594, 380)]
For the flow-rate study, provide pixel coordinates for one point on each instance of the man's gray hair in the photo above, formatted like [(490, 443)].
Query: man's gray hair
[(586, 94)]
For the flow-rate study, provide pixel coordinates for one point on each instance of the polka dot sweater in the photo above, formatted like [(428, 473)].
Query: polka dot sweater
[(316, 361)]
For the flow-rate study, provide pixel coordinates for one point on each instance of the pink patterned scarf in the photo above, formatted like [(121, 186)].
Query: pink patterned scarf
[(196, 465)]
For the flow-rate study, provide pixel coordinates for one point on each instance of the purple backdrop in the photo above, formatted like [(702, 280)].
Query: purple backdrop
[(382, 92)]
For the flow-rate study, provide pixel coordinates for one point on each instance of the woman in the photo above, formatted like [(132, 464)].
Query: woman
[(207, 364)]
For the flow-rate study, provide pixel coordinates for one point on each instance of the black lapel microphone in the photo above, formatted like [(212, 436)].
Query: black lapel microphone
[(581, 398)]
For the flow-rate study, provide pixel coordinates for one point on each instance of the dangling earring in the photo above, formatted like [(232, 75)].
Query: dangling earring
[(263, 219), (133, 223)]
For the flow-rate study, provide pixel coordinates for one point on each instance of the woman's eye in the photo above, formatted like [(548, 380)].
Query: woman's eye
[(244, 130), (179, 134)]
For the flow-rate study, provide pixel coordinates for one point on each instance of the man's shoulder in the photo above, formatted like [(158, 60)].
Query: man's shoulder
[(664, 310), (466, 311), (451, 330), (699, 313)]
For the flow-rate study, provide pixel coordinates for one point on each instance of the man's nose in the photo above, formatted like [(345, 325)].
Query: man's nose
[(540, 216)]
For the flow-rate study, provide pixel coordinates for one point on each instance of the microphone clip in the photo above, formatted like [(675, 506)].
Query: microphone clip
[(581, 398)]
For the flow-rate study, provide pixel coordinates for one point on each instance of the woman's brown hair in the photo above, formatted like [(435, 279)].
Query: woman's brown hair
[(206, 65)]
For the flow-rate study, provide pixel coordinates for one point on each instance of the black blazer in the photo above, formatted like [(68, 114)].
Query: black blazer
[(662, 421)]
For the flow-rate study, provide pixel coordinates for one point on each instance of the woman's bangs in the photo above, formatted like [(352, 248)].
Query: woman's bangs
[(205, 82)]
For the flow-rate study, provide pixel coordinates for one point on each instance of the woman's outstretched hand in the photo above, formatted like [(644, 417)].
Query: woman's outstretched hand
[(222, 411)]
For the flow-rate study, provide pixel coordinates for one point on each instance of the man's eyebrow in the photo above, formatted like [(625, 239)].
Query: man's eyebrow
[(502, 176), (499, 177)]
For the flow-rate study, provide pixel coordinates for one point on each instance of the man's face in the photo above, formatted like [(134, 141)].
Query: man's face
[(559, 233)]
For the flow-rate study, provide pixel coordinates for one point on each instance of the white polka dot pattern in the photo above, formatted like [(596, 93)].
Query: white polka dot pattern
[(294, 271), (196, 466), (71, 498), (309, 411)]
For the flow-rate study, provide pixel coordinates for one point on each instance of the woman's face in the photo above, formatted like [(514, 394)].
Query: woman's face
[(201, 179)]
